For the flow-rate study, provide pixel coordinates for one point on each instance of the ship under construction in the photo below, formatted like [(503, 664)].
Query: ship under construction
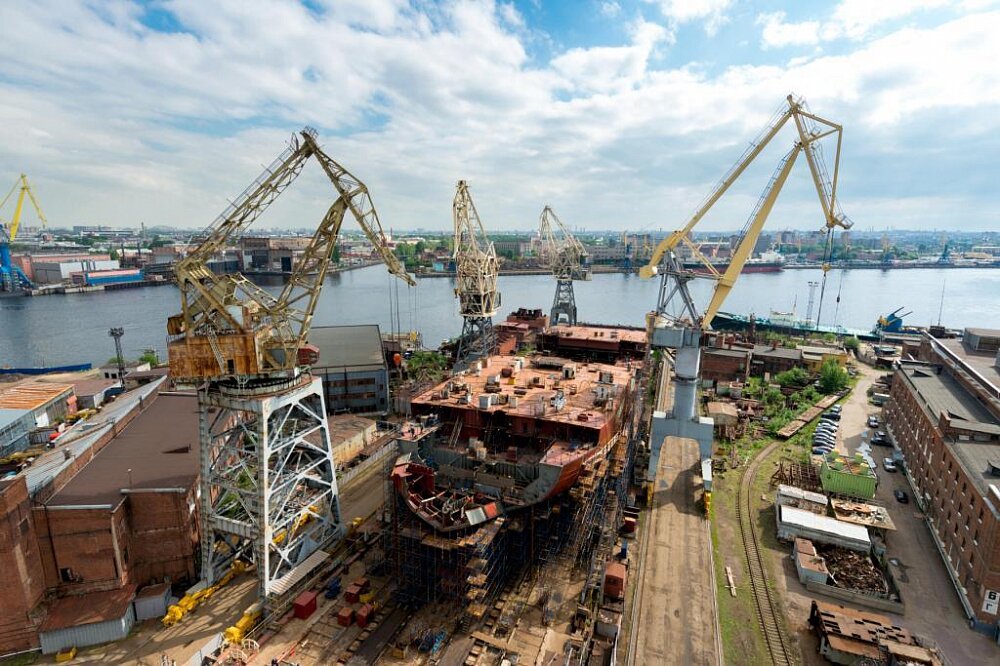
[(518, 461)]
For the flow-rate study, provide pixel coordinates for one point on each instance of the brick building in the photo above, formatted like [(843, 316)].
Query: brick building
[(731, 364), (944, 414), (109, 512), (769, 360)]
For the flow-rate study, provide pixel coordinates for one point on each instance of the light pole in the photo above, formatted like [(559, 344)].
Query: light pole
[(117, 333)]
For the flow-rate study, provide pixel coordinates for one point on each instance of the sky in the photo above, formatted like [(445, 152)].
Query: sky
[(619, 114)]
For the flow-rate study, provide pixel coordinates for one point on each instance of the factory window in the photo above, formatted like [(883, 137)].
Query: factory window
[(125, 555), (68, 575)]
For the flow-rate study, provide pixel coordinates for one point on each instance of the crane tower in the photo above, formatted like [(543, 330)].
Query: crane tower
[(565, 256), (268, 489), (682, 331), (476, 275), (12, 278)]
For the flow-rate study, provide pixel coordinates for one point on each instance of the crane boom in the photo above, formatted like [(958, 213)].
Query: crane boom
[(475, 259), (566, 257), (810, 129), (476, 270), (229, 327), (12, 277)]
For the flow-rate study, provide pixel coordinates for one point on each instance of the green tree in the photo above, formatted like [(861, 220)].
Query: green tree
[(832, 377), (793, 377), (335, 254), (149, 356), (852, 343)]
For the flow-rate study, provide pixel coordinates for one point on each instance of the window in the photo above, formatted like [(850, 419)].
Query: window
[(68, 575)]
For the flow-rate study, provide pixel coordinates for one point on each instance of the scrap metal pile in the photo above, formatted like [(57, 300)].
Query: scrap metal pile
[(852, 570)]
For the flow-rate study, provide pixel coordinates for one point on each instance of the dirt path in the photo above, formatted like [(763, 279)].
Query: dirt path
[(677, 622)]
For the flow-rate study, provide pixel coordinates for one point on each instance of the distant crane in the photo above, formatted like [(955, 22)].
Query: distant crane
[(566, 257), (268, 490), (12, 278), (683, 332), (476, 271)]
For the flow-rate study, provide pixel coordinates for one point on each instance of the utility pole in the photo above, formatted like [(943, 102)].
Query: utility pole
[(812, 296), (117, 333)]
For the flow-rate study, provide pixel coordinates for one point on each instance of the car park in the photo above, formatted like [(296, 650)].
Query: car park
[(901, 496), (889, 465)]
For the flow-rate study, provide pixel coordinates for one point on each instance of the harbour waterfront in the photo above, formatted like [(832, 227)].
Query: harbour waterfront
[(73, 328)]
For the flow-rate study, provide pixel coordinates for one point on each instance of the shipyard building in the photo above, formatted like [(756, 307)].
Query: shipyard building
[(110, 512), (944, 416)]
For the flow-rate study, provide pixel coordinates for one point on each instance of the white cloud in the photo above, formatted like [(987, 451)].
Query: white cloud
[(777, 33), (117, 123), (850, 19), (709, 12), (610, 9)]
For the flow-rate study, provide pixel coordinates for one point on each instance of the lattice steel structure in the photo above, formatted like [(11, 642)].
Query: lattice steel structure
[(566, 257), (268, 489), (476, 273), (269, 492)]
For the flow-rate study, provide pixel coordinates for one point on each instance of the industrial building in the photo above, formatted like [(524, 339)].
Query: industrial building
[(353, 368), (56, 272), (109, 512), (271, 254), (30, 404), (944, 415)]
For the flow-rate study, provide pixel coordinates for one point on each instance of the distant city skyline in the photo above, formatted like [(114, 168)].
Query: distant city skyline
[(622, 115)]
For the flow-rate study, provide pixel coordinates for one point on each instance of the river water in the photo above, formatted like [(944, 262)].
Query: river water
[(63, 329)]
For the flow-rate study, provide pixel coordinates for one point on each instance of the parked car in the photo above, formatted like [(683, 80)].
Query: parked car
[(872, 421), (835, 416), (881, 441), (820, 450), (889, 465), (901, 496), (836, 408), (831, 430)]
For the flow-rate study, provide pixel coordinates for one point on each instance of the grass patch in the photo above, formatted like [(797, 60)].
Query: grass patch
[(21, 659), (742, 641)]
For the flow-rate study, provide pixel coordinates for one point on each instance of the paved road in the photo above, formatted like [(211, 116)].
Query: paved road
[(677, 619)]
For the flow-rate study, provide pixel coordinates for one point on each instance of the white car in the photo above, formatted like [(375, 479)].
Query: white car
[(889, 465)]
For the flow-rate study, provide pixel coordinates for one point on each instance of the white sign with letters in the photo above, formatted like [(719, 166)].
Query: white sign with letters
[(991, 602)]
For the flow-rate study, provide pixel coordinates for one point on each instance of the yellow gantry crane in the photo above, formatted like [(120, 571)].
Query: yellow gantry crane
[(269, 495), (566, 257), (682, 333), (476, 270), (13, 278), (810, 129)]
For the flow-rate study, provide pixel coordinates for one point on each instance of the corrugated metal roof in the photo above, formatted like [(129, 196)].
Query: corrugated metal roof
[(88, 608), (790, 515), (348, 347), (31, 394)]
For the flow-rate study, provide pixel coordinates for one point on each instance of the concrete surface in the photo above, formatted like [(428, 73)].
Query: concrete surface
[(677, 621)]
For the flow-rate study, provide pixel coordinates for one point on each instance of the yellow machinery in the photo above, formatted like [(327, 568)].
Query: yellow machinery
[(13, 278), (236, 633), (192, 600)]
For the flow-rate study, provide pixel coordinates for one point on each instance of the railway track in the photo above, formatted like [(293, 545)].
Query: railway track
[(768, 608)]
